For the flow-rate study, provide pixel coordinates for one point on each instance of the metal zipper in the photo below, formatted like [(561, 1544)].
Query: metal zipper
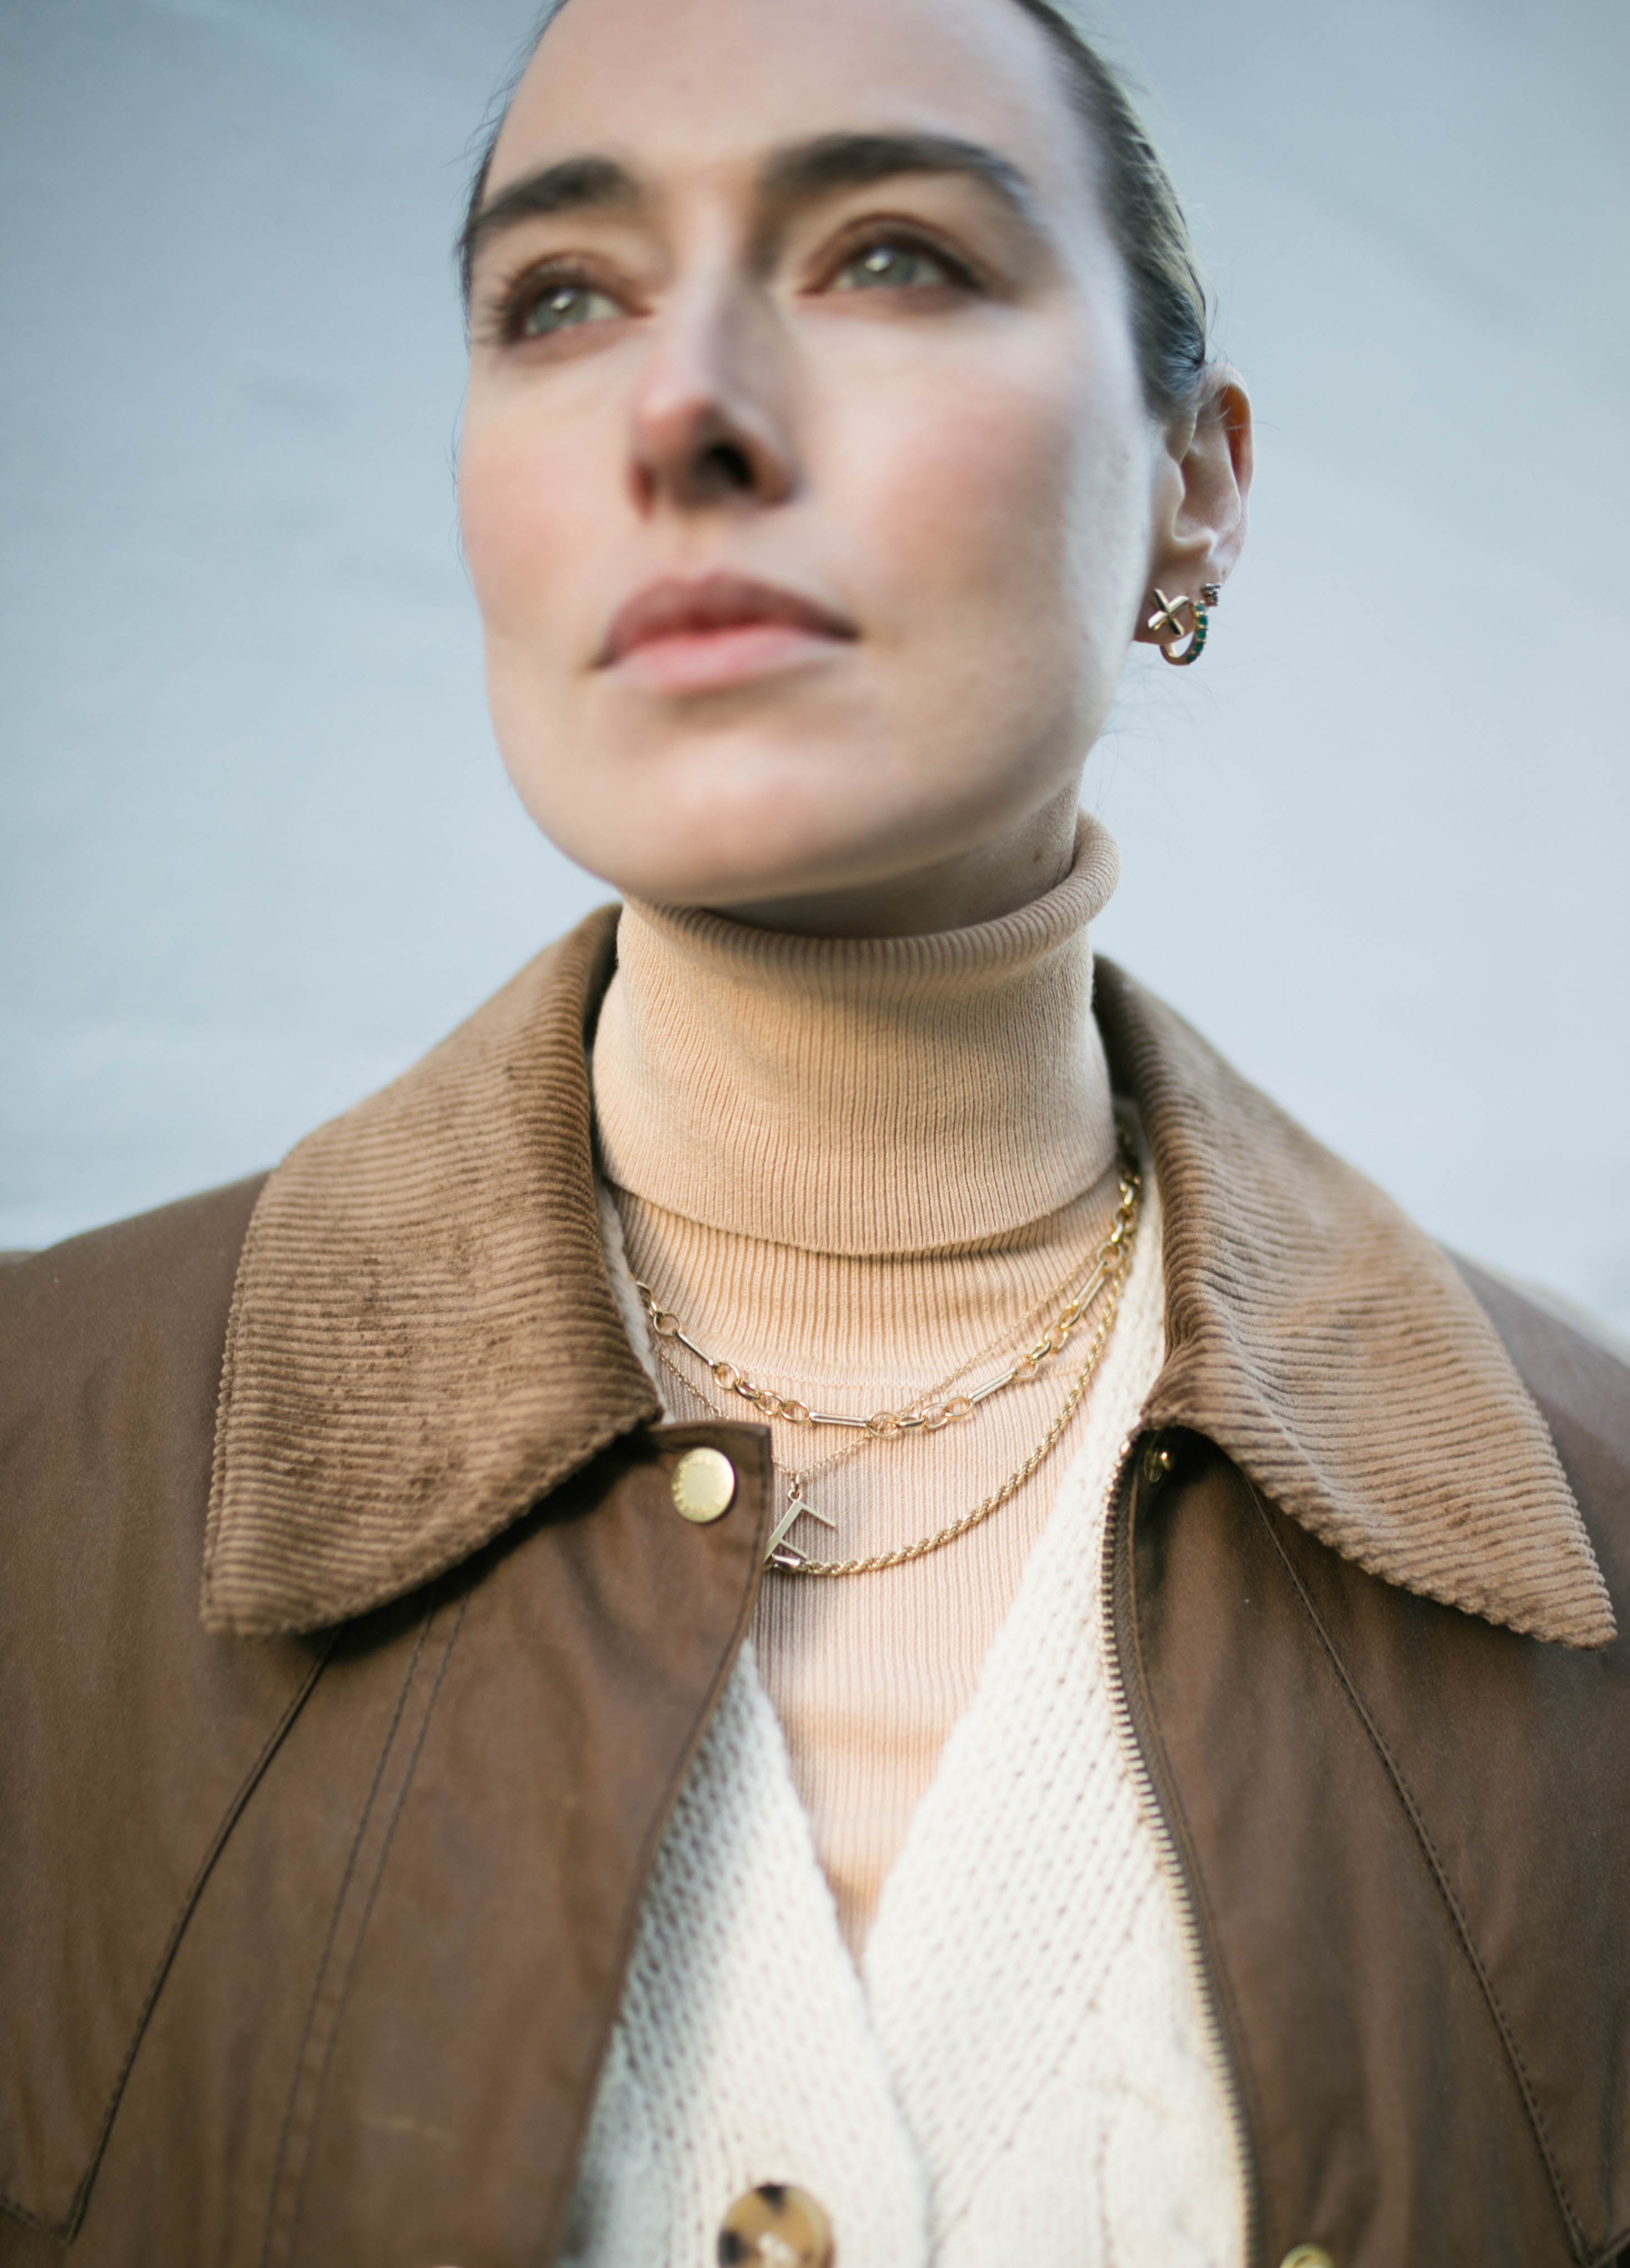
[(1116, 1589)]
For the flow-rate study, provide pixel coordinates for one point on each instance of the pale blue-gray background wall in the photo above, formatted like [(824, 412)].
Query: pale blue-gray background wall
[(257, 849)]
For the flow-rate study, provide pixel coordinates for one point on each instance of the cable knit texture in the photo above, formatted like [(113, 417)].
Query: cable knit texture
[(1021, 2069), (847, 1077)]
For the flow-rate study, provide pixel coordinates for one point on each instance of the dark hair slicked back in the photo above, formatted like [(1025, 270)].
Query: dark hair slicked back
[(1171, 314)]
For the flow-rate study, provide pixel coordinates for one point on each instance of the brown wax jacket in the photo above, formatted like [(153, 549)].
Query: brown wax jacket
[(314, 1907)]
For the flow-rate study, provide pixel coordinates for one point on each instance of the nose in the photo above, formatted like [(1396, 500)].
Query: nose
[(711, 427)]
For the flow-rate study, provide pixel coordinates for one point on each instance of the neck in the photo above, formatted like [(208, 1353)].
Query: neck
[(877, 1094)]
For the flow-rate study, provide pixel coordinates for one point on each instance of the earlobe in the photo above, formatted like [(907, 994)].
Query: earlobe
[(1180, 626)]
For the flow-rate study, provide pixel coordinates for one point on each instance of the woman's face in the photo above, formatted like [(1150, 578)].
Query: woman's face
[(807, 482)]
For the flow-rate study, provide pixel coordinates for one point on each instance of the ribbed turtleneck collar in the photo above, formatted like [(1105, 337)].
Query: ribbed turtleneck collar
[(859, 1094)]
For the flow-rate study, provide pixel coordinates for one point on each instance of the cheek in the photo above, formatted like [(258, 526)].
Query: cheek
[(530, 492), (1014, 505)]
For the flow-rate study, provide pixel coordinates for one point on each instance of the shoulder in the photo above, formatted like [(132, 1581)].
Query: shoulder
[(130, 1730), (110, 1358), (1570, 1365), (1581, 1384), (152, 1291)]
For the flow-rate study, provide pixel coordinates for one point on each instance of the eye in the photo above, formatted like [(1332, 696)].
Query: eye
[(893, 263), (563, 303)]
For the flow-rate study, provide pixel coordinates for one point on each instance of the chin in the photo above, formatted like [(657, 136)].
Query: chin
[(783, 851), (738, 857), (742, 816), (738, 820)]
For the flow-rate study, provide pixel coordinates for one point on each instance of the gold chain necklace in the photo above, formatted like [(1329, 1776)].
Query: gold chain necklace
[(993, 1346), (798, 1504), (1111, 1264), (786, 1561), (925, 1410)]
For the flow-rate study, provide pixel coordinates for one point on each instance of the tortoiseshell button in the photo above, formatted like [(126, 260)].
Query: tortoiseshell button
[(775, 2226)]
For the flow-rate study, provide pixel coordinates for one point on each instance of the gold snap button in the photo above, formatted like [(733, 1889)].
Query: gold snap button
[(1307, 2255), (774, 2227), (703, 1483), (1158, 1465)]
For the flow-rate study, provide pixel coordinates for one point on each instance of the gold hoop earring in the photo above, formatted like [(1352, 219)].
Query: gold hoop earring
[(1165, 626)]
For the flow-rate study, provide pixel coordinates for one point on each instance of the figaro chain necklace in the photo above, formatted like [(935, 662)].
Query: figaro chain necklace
[(1107, 1273)]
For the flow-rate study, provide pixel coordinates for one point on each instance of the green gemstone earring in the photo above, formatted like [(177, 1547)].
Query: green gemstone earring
[(1168, 626)]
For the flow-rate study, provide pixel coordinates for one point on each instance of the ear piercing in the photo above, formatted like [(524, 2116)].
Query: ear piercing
[(1174, 619)]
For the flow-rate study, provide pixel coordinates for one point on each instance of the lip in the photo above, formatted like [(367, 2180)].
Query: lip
[(688, 633)]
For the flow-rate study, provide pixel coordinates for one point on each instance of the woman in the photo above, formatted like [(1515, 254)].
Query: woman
[(853, 1607)]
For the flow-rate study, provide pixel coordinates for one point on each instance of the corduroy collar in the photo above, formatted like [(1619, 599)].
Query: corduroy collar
[(423, 1340)]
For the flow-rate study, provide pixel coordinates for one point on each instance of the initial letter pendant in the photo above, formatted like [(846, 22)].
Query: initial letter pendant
[(780, 1553)]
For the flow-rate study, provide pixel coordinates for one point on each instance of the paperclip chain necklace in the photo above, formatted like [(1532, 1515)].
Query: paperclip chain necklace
[(924, 1411), (786, 1561), (994, 1345), (798, 1506), (1110, 1266)]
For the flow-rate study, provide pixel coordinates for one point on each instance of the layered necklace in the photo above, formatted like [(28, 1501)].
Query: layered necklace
[(1101, 1281)]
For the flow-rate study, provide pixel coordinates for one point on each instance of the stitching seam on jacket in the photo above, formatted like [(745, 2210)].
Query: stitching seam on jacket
[(68, 2228), (1440, 1875), (367, 1915), (334, 1923)]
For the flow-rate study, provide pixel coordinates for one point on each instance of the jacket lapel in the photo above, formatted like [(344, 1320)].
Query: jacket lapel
[(1334, 1352), (423, 1341)]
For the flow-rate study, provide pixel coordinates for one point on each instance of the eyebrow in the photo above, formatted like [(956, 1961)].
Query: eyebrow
[(847, 161), (793, 175)]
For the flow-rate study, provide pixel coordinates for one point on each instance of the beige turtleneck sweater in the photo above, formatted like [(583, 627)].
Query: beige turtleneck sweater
[(854, 1167)]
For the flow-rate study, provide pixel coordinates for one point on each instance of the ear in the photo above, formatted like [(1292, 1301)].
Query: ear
[(1200, 489)]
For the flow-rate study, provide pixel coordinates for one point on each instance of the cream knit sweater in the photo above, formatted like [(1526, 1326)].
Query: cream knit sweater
[(853, 1167)]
